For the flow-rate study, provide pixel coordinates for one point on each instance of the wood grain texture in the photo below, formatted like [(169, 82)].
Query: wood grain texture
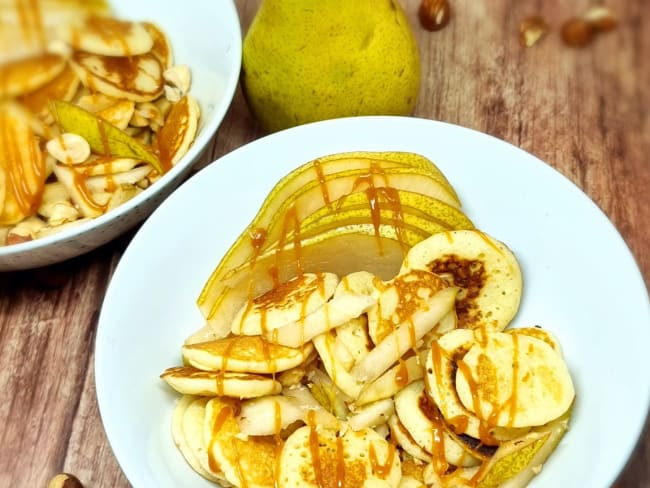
[(583, 111)]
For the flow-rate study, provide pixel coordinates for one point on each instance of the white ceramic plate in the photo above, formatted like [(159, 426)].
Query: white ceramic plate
[(205, 35), (581, 283)]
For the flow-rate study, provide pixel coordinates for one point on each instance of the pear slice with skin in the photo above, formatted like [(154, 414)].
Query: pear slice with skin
[(515, 463), (411, 208), (407, 159), (312, 180), (341, 251)]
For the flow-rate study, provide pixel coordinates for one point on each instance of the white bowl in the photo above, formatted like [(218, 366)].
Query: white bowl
[(560, 237), (205, 35)]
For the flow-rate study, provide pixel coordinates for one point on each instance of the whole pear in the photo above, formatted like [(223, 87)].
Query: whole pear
[(308, 60)]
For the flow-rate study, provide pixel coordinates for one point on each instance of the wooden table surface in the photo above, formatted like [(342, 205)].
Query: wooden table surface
[(584, 111)]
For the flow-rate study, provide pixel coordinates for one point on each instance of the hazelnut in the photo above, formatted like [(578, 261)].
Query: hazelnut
[(65, 480), (434, 14), (577, 32), (531, 30), (600, 18)]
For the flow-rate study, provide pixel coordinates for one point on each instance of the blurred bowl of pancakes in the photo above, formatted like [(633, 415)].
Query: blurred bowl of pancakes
[(105, 107)]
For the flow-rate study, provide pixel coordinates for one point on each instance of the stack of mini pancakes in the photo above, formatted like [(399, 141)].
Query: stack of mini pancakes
[(92, 112), (356, 381)]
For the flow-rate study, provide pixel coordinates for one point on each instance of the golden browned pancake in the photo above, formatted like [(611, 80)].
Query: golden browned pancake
[(246, 462), (192, 381), (251, 354), (323, 458)]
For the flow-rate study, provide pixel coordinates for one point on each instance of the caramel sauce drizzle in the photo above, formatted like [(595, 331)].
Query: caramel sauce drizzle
[(109, 29), (379, 469), (402, 374), (31, 21), (340, 461), (314, 449), (218, 423)]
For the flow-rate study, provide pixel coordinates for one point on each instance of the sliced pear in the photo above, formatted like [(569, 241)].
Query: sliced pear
[(107, 36), (104, 138), (26, 75), (372, 414), (404, 207), (341, 252), (270, 415), (487, 272), (343, 307), (325, 344), (245, 354), (138, 78), (405, 335), (292, 301), (22, 163), (192, 381), (312, 186), (402, 374), (515, 463)]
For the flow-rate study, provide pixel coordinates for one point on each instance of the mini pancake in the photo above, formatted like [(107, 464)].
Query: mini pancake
[(487, 272), (249, 354), (179, 130), (138, 78), (245, 461), (187, 431), (25, 75), (192, 381), (107, 36), (288, 302), (420, 418), (324, 458), (514, 380), (400, 435), (62, 87), (440, 378), (161, 46)]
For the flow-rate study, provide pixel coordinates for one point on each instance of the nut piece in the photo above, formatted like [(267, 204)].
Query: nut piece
[(434, 14), (600, 18), (531, 30), (178, 78), (68, 148), (577, 32), (65, 480)]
